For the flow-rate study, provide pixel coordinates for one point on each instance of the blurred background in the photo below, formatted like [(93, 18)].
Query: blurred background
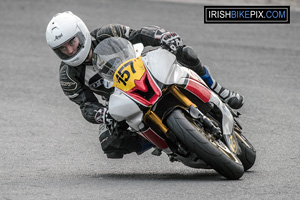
[(48, 150)]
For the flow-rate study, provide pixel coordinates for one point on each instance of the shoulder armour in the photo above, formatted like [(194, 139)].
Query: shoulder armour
[(112, 30)]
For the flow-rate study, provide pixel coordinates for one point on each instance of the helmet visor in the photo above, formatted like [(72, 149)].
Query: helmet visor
[(77, 40)]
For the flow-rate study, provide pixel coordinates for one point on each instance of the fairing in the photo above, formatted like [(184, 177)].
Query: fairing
[(121, 108), (163, 67), (134, 79), (158, 66)]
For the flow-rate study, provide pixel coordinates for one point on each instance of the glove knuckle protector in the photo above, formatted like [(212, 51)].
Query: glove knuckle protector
[(172, 41), (102, 116)]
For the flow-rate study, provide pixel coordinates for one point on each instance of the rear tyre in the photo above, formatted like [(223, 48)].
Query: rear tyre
[(213, 152), (248, 154)]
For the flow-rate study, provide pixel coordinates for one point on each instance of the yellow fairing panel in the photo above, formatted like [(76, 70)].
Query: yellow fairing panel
[(128, 72)]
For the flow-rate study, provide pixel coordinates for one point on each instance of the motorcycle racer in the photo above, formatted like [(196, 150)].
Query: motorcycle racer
[(70, 39)]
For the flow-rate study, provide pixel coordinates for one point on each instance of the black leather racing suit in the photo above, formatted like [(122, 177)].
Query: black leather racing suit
[(81, 83)]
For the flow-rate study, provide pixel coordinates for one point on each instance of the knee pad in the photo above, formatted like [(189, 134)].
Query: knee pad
[(188, 58)]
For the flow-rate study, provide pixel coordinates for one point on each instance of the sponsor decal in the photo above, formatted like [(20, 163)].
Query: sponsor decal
[(97, 83), (67, 84), (57, 37)]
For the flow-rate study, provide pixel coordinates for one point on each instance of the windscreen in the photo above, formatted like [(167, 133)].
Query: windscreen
[(110, 53)]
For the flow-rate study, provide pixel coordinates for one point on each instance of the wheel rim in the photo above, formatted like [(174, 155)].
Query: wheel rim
[(217, 143)]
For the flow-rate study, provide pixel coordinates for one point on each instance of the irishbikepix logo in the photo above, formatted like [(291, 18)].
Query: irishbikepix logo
[(246, 14)]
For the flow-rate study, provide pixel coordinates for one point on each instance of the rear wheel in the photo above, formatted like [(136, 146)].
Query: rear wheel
[(213, 152), (248, 153)]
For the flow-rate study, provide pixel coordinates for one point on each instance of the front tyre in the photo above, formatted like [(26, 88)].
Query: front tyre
[(213, 152)]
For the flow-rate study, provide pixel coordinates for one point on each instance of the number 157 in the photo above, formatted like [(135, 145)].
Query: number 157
[(124, 71)]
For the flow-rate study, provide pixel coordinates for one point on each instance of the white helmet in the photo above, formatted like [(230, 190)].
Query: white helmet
[(64, 27)]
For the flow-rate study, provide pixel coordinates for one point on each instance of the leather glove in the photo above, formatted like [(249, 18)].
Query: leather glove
[(171, 40), (103, 117)]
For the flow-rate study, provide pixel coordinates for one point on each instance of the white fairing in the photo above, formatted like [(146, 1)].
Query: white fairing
[(122, 108), (163, 66), (227, 119), (138, 48)]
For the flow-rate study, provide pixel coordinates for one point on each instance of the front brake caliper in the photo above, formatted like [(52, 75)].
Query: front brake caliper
[(197, 114)]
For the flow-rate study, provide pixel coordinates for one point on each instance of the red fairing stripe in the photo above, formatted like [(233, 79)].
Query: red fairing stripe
[(140, 85), (154, 138), (199, 90)]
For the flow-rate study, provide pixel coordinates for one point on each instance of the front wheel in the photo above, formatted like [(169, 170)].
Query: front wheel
[(211, 151)]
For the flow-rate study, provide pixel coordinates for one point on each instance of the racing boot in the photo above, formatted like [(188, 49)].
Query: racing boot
[(233, 99), (116, 146)]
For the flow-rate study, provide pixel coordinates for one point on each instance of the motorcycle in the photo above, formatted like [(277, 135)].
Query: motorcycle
[(173, 108)]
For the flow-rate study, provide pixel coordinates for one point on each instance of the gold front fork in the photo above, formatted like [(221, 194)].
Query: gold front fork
[(181, 97), (157, 120)]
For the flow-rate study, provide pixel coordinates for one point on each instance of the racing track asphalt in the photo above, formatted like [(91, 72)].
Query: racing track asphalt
[(48, 151)]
